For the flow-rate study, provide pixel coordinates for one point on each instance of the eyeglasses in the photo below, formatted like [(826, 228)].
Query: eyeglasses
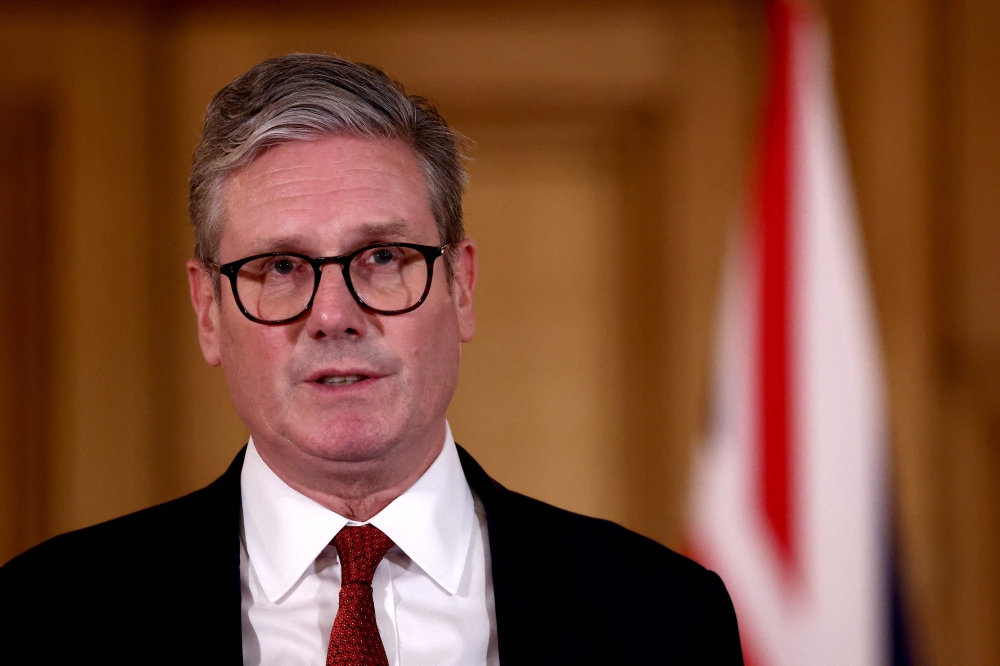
[(279, 287)]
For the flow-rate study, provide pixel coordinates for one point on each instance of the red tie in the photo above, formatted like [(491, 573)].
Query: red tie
[(354, 640)]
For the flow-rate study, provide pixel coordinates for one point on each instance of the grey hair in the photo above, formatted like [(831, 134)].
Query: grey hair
[(303, 97)]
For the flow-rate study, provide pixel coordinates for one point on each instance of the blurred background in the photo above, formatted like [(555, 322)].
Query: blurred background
[(611, 148)]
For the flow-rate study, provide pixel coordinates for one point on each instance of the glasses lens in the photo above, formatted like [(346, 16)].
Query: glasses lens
[(275, 288), (389, 278)]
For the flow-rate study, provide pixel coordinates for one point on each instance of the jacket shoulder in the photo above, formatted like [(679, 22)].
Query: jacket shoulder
[(172, 569), (608, 591), (596, 544)]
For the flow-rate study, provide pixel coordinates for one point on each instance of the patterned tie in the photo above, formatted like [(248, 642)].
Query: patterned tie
[(354, 640)]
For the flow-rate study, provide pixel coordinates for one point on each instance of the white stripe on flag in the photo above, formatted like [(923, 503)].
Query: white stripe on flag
[(834, 609)]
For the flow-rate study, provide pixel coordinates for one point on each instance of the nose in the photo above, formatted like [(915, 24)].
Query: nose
[(334, 311)]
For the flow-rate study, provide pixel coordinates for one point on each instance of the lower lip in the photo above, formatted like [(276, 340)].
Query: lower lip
[(345, 388)]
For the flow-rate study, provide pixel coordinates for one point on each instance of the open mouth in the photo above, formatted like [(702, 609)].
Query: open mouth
[(340, 380)]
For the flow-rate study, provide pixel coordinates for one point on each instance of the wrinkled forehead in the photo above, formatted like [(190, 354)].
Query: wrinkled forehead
[(329, 193)]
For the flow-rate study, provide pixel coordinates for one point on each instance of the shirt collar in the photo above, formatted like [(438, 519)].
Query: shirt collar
[(285, 531)]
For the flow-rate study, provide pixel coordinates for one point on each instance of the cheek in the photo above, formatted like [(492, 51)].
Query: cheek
[(251, 362), (432, 358)]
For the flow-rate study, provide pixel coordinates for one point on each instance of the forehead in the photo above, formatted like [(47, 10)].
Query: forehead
[(329, 194)]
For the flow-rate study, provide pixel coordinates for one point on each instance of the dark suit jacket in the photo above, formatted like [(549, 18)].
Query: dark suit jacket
[(163, 586)]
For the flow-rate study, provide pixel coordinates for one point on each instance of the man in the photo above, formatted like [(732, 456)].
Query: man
[(334, 286)]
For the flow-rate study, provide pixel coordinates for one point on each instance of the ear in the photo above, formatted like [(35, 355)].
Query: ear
[(466, 271), (206, 310)]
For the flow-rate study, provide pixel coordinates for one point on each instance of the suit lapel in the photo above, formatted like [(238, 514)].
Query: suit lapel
[(220, 544), (512, 634)]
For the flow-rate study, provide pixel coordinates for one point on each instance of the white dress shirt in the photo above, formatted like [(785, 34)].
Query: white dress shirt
[(433, 591)]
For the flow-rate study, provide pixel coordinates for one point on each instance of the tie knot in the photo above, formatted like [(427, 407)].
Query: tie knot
[(360, 550)]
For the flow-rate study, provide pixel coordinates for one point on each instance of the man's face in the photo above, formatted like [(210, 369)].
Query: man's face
[(326, 198)]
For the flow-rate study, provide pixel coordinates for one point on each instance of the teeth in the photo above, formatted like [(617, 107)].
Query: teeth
[(340, 380)]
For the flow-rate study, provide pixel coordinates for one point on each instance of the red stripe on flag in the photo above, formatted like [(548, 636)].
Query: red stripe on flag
[(774, 431)]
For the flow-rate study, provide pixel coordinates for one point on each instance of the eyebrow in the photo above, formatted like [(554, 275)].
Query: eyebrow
[(382, 230), (279, 244), (361, 235)]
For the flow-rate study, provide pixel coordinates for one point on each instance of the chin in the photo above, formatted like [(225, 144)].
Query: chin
[(356, 439)]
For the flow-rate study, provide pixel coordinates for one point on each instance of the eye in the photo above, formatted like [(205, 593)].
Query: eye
[(383, 257), (283, 266)]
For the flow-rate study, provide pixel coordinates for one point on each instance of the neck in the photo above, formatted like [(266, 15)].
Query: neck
[(357, 490)]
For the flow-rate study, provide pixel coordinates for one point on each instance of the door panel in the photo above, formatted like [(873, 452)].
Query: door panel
[(539, 402)]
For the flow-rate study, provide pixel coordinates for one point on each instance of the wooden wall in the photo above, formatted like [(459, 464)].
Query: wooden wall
[(25, 328), (920, 92), (611, 143), (73, 93)]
